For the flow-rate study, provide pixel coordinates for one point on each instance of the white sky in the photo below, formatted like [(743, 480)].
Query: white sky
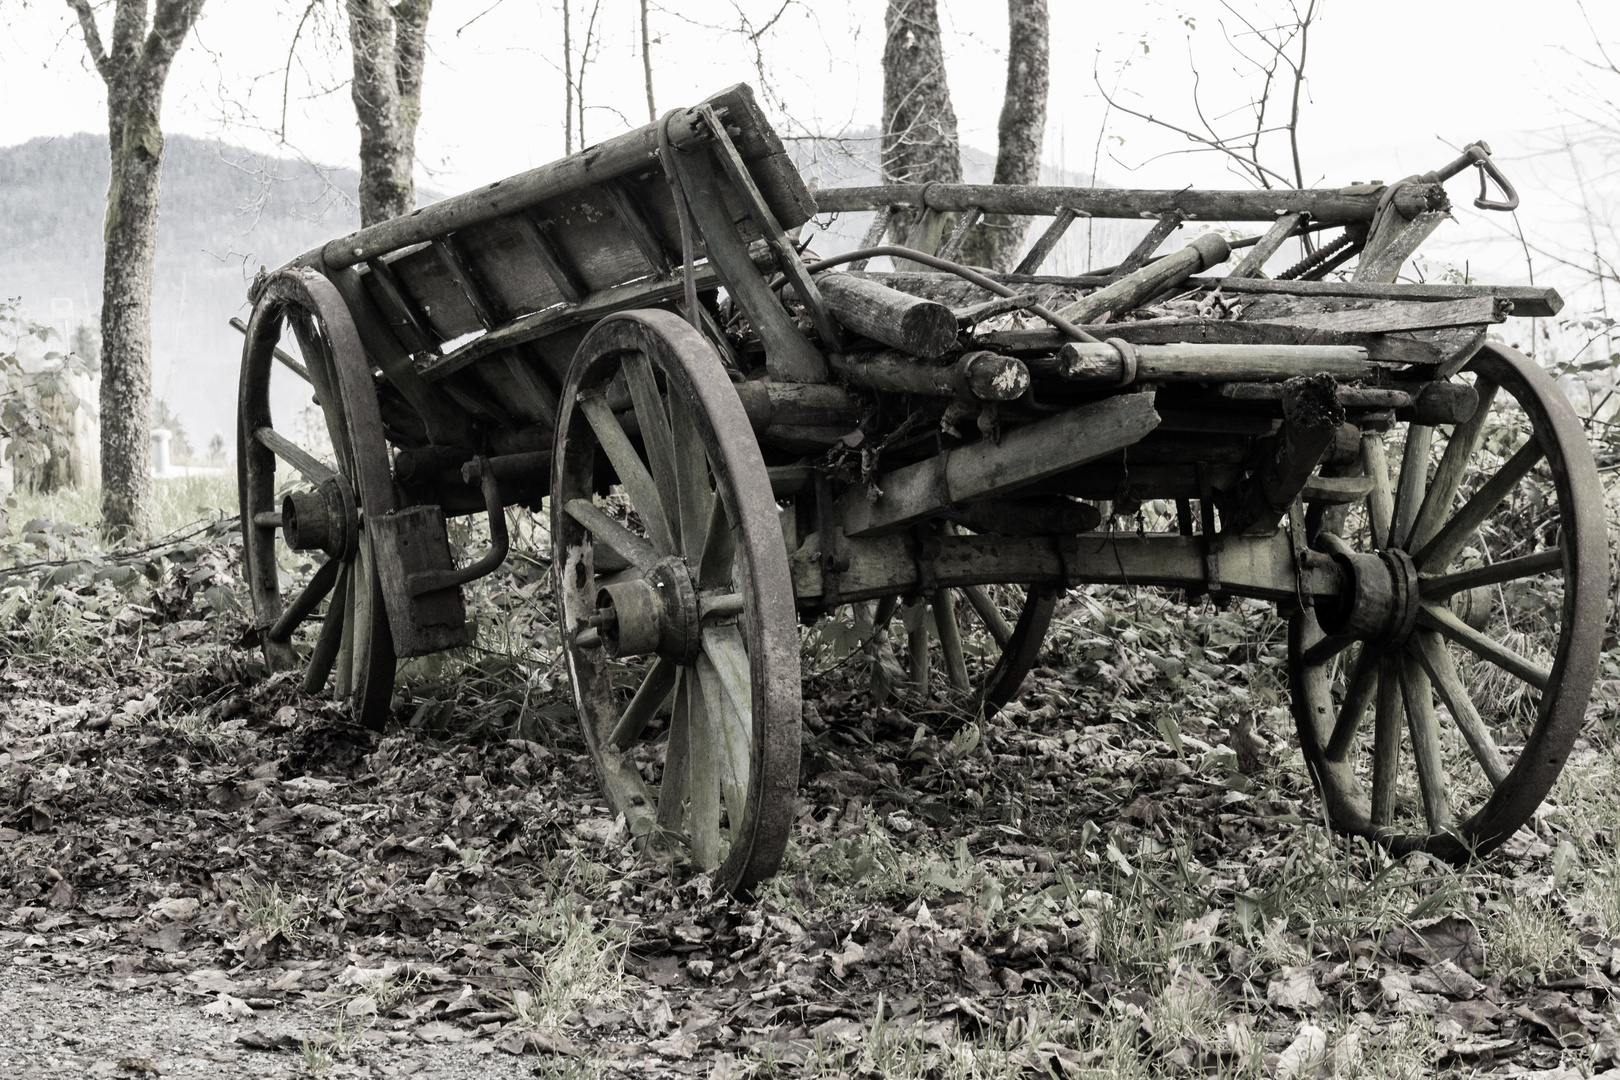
[(1393, 85)]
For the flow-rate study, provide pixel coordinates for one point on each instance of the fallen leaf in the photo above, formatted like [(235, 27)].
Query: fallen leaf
[(231, 1008), (1294, 988), (1303, 1054)]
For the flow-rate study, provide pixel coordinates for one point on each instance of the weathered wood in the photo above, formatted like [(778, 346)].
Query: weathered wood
[(804, 417), (1385, 348), (1084, 362), (1403, 315), (1529, 301), (905, 322), (1336, 490), (1131, 290), (1285, 226), (1042, 248), (405, 543), (1329, 206), (1311, 419), (1384, 263), (986, 376), (1423, 403), (981, 470), (633, 152), (1259, 567), (1144, 249), (789, 357), (1047, 517)]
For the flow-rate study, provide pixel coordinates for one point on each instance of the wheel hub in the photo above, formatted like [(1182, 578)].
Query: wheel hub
[(655, 613), (1383, 600), (322, 520)]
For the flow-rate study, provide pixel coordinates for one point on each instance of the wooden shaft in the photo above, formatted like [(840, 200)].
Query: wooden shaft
[(1311, 419), (987, 376), (1326, 206), (1132, 289), (1259, 567), (905, 322), (1084, 362), (1285, 226)]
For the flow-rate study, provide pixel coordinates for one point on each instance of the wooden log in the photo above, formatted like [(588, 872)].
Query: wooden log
[(1259, 567), (1047, 517), (1390, 350), (1328, 206), (986, 376), (1132, 289), (1529, 301), (982, 469), (1423, 403), (900, 320), (1311, 418), (795, 415), (1403, 315), (1102, 364)]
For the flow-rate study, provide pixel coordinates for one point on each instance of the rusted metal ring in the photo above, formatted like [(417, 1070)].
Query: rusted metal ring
[(1127, 358), (1406, 597)]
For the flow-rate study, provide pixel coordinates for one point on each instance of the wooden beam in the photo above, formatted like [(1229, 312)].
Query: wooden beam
[(1144, 249), (1102, 364), (982, 469), (1131, 290), (1403, 315), (1285, 226), (986, 376), (1042, 248), (912, 325)]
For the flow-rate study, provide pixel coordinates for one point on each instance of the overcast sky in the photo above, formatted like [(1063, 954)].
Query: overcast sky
[(1393, 84)]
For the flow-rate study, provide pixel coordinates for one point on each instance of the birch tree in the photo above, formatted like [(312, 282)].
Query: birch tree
[(389, 45), (134, 63)]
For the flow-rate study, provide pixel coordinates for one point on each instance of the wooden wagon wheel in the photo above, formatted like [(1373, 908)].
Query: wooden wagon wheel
[(326, 513), (705, 613), (1011, 623), (1481, 579)]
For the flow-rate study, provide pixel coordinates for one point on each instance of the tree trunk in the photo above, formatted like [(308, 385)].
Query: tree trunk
[(996, 240), (388, 44), (919, 125), (135, 70)]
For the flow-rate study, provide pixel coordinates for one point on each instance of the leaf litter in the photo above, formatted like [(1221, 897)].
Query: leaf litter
[(1122, 874)]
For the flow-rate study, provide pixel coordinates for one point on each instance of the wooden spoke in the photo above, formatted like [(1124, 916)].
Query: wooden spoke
[(989, 614), (723, 673), (1441, 586), (1460, 450), (346, 646), (1387, 723), (715, 569), (294, 455), (650, 696), (696, 498), (653, 420), (632, 472), (1431, 653), (950, 638), (1358, 695), (1425, 730), (1439, 552), (1482, 646), (313, 594), (1380, 504), (703, 773), (640, 553), (333, 630), (1327, 648), (1414, 479), (677, 759)]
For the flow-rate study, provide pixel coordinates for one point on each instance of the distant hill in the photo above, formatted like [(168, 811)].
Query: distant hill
[(223, 213)]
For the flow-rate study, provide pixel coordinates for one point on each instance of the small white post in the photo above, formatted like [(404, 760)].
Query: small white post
[(160, 451)]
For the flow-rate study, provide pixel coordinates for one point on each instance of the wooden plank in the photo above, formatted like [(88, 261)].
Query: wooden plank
[(1023, 456), (457, 269), (642, 234), (1388, 349), (1385, 263), (1101, 363), (561, 276), (540, 324), (406, 316), (1383, 318)]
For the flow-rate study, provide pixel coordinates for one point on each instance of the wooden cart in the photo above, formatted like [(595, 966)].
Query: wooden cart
[(1420, 501)]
